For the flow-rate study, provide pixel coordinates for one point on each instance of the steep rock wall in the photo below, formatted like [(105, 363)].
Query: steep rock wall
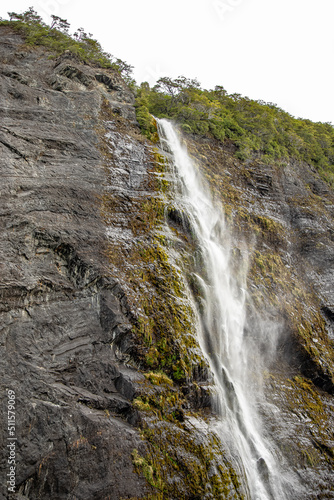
[(83, 285), (59, 303), (285, 213), (94, 288)]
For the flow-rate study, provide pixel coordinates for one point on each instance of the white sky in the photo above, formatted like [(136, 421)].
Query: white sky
[(275, 50)]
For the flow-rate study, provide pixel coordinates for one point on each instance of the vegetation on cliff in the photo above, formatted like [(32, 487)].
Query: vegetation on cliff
[(254, 127), (174, 390), (57, 39), (178, 461)]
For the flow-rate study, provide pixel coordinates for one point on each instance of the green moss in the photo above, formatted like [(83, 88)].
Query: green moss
[(164, 326), (188, 468), (158, 378), (141, 405), (274, 284), (148, 469), (165, 403), (307, 395), (311, 458), (306, 402), (271, 230)]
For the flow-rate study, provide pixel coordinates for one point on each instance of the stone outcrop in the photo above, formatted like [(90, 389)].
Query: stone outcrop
[(60, 307), (93, 301)]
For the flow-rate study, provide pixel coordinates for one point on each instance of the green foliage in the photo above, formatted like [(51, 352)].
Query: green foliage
[(253, 126), (144, 117), (57, 39)]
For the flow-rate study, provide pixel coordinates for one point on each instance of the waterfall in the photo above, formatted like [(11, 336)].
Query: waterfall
[(222, 323)]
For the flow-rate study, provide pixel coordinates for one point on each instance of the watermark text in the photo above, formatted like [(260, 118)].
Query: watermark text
[(11, 441), (225, 7)]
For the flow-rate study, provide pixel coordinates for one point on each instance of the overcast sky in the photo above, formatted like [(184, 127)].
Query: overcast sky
[(275, 50)]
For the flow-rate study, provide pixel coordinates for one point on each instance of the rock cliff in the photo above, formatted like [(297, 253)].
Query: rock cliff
[(285, 214), (112, 394)]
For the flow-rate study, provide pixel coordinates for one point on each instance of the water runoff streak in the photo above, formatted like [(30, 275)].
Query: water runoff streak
[(222, 323)]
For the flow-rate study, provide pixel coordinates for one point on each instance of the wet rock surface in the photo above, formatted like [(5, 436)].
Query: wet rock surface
[(285, 213), (60, 309), (76, 180), (76, 195)]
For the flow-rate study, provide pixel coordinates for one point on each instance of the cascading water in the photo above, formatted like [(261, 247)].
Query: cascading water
[(222, 323)]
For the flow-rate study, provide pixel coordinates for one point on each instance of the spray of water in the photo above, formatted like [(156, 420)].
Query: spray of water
[(222, 322)]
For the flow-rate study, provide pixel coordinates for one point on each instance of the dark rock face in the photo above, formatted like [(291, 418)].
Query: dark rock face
[(91, 422), (60, 311), (76, 204)]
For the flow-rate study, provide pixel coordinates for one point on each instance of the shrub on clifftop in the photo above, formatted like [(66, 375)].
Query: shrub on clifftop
[(56, 38)]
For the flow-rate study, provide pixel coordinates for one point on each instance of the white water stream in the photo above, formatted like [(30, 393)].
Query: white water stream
[(222, 325)]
